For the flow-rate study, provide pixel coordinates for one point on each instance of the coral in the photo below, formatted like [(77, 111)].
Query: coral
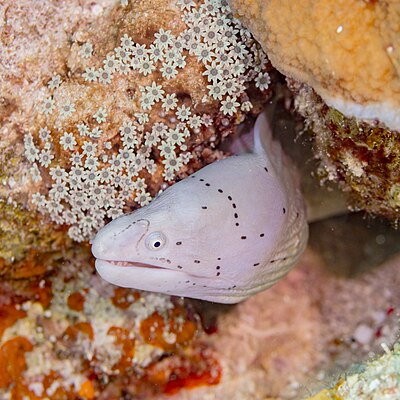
[(378, 379), (347, 51), (19, 231), (72, 334), (364, 159), (123, 108)]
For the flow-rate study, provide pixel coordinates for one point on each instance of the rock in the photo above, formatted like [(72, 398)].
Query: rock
[(379, 379), (362, 158), (347, 51), (72, 332)]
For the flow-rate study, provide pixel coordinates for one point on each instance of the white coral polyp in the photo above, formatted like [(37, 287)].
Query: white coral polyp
[(99, 182)]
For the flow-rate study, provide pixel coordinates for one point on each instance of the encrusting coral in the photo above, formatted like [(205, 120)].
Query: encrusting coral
[(378, 379), (73, 335), (342, 59), (364, 159), (142, 97), (348, 51)]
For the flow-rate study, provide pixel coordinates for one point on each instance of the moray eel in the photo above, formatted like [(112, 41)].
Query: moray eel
[(228, 231)]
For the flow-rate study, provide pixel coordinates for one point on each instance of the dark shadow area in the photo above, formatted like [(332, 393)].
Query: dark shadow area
[(354, 244), (209, 313)]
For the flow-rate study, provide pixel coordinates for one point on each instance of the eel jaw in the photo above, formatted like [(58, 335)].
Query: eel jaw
[(141, 276), (163, 280), (125, 264)]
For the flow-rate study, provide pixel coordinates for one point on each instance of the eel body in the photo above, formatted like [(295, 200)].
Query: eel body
[(230, 230)]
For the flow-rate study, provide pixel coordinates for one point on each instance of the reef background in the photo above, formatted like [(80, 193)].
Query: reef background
[(335, 309)]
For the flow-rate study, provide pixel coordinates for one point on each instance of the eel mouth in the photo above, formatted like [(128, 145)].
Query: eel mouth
[(132, 264)]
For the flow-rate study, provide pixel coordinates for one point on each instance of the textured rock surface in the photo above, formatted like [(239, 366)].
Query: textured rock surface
[(362, 158), (74, 335), (35, 42), (348, 51), (378, 379)]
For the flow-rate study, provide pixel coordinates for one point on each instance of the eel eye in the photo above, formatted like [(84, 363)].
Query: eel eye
[(155, 241)]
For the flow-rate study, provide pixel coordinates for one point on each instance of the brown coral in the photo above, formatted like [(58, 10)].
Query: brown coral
[(364, 159), (348, 51)]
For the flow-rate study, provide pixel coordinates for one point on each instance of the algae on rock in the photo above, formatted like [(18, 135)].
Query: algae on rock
[(377, 380), (363, 158), (26, 243)]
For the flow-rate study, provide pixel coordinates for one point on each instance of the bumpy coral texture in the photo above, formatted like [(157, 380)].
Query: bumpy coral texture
[(23, 64), (348, 51), (73, 335), (363, 159), (125, 120), (377, 380)]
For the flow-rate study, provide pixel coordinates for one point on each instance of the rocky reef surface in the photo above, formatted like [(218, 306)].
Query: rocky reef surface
[(72, 335), (377, 380), (362, 158), (102, 104)]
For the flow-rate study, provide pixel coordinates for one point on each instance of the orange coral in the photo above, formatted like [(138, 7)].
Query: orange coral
[(12, 360), (124, 297), (73, 331), (186, 370), (76, 301), (347, 50), (157, 332), (9, 314), (87, 390), (123, 338)]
